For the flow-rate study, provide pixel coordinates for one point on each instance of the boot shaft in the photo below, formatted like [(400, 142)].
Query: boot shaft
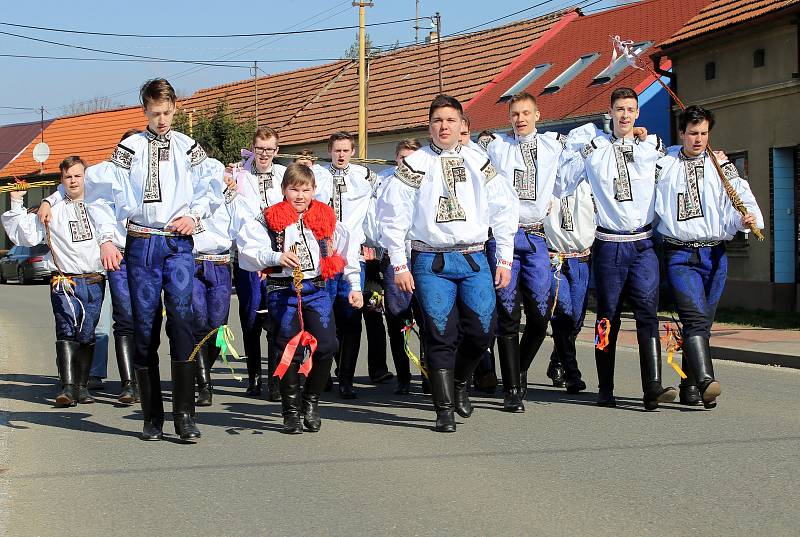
[(123, 348)]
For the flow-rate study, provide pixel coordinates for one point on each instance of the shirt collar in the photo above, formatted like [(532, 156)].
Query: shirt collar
[(157, 137), (684, 156), (340, 171), (527, 137), (255, 171), (438, 150)]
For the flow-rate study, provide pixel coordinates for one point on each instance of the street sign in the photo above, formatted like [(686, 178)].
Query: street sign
[(41, 152)]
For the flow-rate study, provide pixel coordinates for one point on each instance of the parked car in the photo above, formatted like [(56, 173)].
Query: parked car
[(24, 264)]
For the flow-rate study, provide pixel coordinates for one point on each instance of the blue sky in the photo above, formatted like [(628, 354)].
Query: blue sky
[(56, 84)]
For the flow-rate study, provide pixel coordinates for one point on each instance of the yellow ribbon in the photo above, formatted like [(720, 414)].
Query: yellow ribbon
[(60, 280), (673, 342), (413, 358), (225, 343)]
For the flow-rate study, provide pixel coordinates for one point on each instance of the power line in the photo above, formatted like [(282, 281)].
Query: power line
[(220, 63), (205, 36)]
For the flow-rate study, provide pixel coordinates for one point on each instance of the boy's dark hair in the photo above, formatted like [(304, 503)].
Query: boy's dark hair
[(695, 114), (465, 119), (341, 135), (407, 143), (157, 90), (265, 133), (69, 162), (445, 101), (623, 93), (298, 174), (522, 96), (130, 132), (207, 148)]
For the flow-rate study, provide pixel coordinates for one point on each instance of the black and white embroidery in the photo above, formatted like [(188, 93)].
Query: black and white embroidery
[(730, 170), (122, 157), (80, 228), (302, 251), (229, 195), (562, 139), (260, 218), (339, 187), (372, 177), (152, 182), (623, 154), (199, 228), (526, 184), (567, 223), (409, 175), (449, 210), (484, 141), (689, 205), (658, 173), (196, 154), (489, 171)]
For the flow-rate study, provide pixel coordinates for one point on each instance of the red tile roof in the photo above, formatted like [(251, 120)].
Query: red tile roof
[(650, 20), (15, 138), (723, 14), (91, 136), (307, 105)]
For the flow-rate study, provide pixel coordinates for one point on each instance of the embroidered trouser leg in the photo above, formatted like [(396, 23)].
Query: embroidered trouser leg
[(570, 309), (317, 318), (457, 302), (76, 313), (154, 264), (122, 310), (397, 307), (211, 297), (252, 295), (697, 277)]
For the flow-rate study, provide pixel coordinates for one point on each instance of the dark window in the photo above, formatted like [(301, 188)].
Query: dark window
[(739, 244), (711, 71), (759, 57)]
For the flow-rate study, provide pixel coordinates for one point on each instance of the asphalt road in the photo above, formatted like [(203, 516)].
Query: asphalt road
[(565, 467)]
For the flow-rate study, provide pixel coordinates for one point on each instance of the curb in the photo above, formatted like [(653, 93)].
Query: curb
[(755, 357)]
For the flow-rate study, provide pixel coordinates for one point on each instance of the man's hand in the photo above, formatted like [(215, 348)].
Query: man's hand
[(44, 212), (502, 277), (262, 276), (230, 182), (17, 195), (640, 133), (405, 282), (748, 220), (356, 299), (289, 260), (110, 256), (721, 156), (184, 225)]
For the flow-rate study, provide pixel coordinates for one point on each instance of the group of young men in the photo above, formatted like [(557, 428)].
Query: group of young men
[(460, 236)]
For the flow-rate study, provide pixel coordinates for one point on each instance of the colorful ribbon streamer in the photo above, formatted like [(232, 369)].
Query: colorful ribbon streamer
[(601, 334), (413, 358), (302, 338), (224, 342), (66, 285), (556, 262), (673, 342)]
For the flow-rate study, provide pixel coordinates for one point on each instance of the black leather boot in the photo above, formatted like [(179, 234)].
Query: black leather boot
[(183, 401), (149, 382), (66, 352), (688, 392), (650, 364), (314, 385), (82, 365), (253, 349), (698, 350), (461, 377), (348, 356), (508, 350), (442, 386), (290, 400), (555, 372), (604, 360), (123, 348), (273, 388), (202, 364), (523, 384)]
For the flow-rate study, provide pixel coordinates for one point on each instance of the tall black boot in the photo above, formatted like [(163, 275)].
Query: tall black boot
[(202, 363), (123, 348), (252, 345), (555, 371), (66, 352), (650, 364), (273, 387), (604, 360), (566, 357), (529, 345), (290, 400), (82, 365), (149, 384), (394, 325), (508, 349), (698, 350), (315, 383), (461, 377), (442, 387), (348, 357), (688, 392), (183, 401)]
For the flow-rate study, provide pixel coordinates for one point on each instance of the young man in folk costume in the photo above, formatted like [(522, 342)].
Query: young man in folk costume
[(163, 185), (620, 168), (397, 304), (308, 247), (696, 218), (444, 198), (121, 312), (78, 281), (351, 190), (531, 160)]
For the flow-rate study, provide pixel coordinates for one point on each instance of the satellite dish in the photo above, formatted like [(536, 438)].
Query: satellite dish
[(40, 152)]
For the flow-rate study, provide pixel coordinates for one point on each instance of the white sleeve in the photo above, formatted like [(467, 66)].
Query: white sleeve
[(395, 211), (56, 196), (207, 185), (252, 239), (100, 183), (347, 248), (571, 171), (503, 215), (733, 218), (22, 228)]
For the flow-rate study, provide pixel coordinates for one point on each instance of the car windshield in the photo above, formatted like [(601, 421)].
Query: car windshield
[(39, 249)]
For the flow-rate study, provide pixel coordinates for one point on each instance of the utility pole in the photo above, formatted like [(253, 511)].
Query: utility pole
[(362, 80), (438, 18), (416, 25), (255, 86), (42, 124)]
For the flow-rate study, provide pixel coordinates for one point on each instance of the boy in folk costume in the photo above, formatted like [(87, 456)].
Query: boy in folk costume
[(620, 168), (444, 198), (696, 218), (78, 282), (309, 248), (162, 183)]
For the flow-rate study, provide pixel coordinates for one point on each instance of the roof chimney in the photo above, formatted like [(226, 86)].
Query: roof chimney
[(433, 37)]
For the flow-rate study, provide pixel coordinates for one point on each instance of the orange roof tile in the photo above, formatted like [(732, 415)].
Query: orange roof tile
[(307, 105), (91, 136), (724, 14)]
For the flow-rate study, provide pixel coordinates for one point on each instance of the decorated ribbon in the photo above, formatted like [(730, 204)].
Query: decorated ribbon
[(601, 333), (375, 302), (413, 358), (302, 338), (673, 342), (66, 285), (556, 262), (224, 342)]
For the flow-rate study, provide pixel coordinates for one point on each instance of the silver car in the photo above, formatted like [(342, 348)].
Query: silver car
[(24, 264)]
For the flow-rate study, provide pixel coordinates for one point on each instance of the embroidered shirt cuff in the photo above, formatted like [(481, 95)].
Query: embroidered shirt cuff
[(104, 238), (399, 269), (503, 263), (398, 258)]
